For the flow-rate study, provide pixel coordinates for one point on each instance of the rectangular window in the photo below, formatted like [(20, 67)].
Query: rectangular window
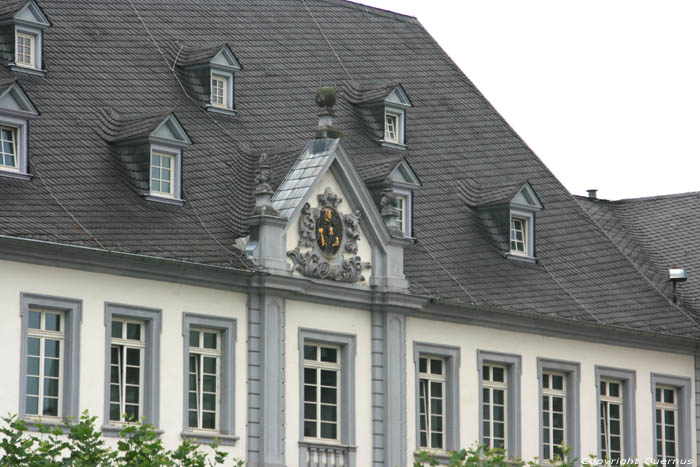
[(8, 148), (132, 370), (611, 413), (391, 128), (162, 170), (25, 49), (126, 371), (553, 414), (45, 357), (401, 208), (518, 235), (218, 91), (431, 374), (494, 388), (666, 418), (321, 391), (204, 379)]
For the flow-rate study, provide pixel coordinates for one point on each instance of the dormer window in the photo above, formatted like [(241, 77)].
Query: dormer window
[(25, 54), (211, 71), (401, 201), (384, 106), (518, 236), (15, 112), (21, 33), (151, 149), (391, 125)]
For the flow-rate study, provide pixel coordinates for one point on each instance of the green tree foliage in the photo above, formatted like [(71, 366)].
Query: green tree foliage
[(83, 445)]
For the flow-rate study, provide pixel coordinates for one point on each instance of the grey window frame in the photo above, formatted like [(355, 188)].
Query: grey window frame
[(629, 391), (227, 327), (573, 416), (73, 311), (451, 354), (152, 318), (19, 125), (513, 363), (683, 386), (348, 354)]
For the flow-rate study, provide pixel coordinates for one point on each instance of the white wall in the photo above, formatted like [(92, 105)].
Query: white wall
[(364, 249), (94, 290), (332, 319), (470, 338)]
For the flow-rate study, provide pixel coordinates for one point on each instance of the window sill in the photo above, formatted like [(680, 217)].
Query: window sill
[(391, 145), (221, 110), (15, 175), (30, 71), (208, 438), (443, 457), (50, 423), (161, 199), (526, 259), (114, 430)]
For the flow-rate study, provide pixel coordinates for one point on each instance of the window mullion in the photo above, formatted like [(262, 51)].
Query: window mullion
[(122, 382), (42, 365)]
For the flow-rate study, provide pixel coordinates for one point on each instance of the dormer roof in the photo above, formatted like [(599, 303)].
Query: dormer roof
[(160, 127), (391, 92), (13, 99), (219, 55), (26, 12), (513, 193)]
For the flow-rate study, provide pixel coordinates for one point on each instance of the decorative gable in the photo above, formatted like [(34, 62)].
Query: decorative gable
[(14, 101), (21, 36), (383, 109), (150, 149), (15, 112), (210, 73)]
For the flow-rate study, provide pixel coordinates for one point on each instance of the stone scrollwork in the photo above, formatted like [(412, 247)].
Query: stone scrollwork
[(308, 258)]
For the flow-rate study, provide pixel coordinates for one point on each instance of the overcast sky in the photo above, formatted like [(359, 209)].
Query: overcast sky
[(607, 93)]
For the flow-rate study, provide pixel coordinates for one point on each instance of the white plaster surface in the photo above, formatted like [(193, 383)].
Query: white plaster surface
[(94, 289), (530, 347), (339, 320)]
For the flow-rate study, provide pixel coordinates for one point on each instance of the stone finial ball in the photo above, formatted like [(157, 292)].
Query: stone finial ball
[(325, 96)]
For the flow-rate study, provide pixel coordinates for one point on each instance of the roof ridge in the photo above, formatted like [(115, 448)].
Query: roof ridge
[(641, 198), (374, 10)]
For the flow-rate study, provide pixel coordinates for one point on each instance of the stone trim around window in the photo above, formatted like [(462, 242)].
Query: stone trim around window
[(227, 382), (513, 364), (348, 352), (629, 392), (683, 386), (573, 380), (452, 356), (73, 310), (151, 383)]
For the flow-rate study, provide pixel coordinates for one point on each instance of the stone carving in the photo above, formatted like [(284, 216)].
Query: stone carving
[(312, 262)]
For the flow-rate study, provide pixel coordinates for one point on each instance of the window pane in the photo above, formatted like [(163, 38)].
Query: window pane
[(423, 365), (210, 340), (209, 402), (310, 393), (329, 378), (34, 321), (117, 329), (557, 382), (209, 420), (557, 404), (33, 385), (498, 374), (132, 412), (669, 417), (194, 338), (614, 411), (209, 383), (485, 372), (328, 413), (498, 396), (498, 413), (310, 429), (192, 419), (192, 400), (114, 393), (52, 322), (436, 440), (132, 375), (602, 388), (51, 348), (133, 331), (329, 430), (210, 365), (132, 394), (329, 354), (310, 411), (51, 387), (114, 412), (50, 406), (32, 405), (436, 366), (51, 368), (614, 389), (328, 395), (310, 352), (436, 406), (435, 389), (669, 396), (133, 357), (33, 346)]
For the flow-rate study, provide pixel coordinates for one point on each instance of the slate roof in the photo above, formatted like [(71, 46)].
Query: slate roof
[(116, 128), (477, 195), (98, 54), (189, 56), (656, 234), (9, 8), (370, 93)]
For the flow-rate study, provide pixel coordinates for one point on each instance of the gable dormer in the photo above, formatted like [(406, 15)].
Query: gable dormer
[(21, 35), (383, 107), (210, 73), (15, 112), (508, 211), (150, 148)]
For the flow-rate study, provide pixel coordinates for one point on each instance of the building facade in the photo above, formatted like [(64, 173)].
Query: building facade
[(187, 239)]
